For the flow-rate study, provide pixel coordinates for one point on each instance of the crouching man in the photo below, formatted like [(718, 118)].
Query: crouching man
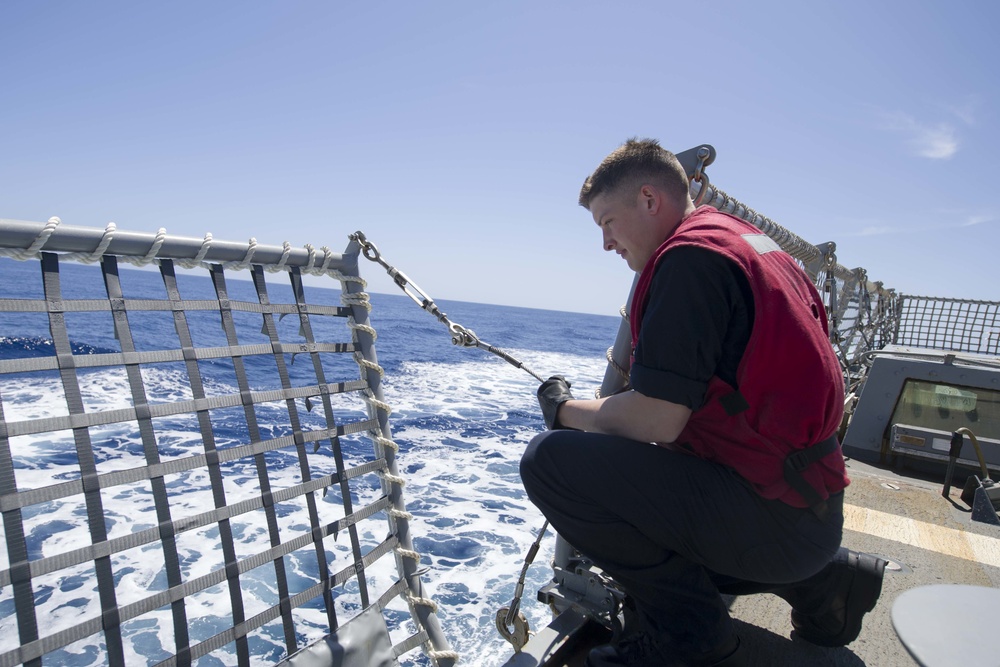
[(719, 470)]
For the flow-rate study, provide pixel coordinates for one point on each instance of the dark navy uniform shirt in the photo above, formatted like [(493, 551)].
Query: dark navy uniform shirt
[(697, 325)]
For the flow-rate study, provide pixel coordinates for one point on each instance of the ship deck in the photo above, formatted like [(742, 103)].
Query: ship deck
[(927, 538), (900, 516)]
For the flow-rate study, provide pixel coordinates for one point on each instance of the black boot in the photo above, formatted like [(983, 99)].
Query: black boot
[(851, 587), (644, 644), (642, 651)]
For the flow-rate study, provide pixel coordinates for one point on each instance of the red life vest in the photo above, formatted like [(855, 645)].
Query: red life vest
[(790, 387)]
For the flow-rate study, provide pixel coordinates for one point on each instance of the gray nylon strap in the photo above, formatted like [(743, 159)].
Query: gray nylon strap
[(85, 456), (410, 643), (300, 448), (306, 329), (211, 452), (391, 593), (99, 305), (253, 429), (86, 420), (165, 532), (17, 550), (164, 356)]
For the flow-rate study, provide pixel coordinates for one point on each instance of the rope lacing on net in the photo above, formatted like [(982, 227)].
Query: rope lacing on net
[(408, 553), (443, 655), (392, 479), (385, 442), (37, 245), (361, 299), (206, 243), (415, 600)]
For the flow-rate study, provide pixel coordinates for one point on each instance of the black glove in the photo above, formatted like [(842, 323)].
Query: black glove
[(551, 394)]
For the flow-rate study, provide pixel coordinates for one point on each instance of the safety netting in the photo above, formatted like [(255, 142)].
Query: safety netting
[(957, 325), (196, 465)]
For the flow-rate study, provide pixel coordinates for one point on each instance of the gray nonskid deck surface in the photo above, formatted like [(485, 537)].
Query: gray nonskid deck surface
[(887, 514)]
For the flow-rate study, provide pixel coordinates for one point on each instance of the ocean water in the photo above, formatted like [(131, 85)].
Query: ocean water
[(461, 417)]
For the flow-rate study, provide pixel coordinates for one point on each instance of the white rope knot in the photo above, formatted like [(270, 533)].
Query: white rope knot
[(392, 479), (364, 328), (154, 249), (109, 234), (199, 259), (91, 257), (400, 514), (443, 655), (356, 299), (347, 279), (379, 405), (245, 262), (408, 553), (385, 442), (423, 602), (33, 250), (310, 266), (327, 258), (206, 243), (286, 249), (368, 365)]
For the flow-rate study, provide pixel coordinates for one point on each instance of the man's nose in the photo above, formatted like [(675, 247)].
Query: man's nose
[(609, 242)]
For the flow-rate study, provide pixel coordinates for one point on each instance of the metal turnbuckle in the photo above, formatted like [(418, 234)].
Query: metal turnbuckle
[(459, 334)]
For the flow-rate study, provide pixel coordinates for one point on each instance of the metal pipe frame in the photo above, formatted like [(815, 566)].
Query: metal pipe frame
[(20, 235)]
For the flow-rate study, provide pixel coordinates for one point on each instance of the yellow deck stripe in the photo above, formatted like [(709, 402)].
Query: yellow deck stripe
[(947, 541)]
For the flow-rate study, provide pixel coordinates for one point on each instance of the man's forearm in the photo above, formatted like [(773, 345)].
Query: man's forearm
[(629, 415)]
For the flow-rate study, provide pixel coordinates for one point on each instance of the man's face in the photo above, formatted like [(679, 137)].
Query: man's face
[(627, 226)]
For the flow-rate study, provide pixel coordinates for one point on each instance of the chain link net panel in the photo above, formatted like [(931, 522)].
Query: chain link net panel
[(955, 325)]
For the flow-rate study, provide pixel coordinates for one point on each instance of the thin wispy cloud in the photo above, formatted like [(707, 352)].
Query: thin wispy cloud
[(879, 231), (965, 110), (942, 221), (974, 220), (937, 141)]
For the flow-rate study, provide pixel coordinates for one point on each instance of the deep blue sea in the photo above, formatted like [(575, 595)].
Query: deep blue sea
[(461, 416)]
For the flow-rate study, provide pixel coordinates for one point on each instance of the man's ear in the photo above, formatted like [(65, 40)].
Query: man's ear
[(650, 198)]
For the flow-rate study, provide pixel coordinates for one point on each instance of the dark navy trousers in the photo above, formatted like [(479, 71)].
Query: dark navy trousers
[(676, 531)]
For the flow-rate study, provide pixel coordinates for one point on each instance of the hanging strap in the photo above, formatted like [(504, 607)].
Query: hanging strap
[(798, 461)]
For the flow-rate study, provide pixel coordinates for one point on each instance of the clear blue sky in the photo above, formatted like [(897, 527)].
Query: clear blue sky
[(456, 134)]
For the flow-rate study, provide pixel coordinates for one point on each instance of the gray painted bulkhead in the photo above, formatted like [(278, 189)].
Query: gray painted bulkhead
[(869, 436)]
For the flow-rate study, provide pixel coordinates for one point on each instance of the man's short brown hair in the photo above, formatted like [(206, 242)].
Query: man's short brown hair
[(633, 164)]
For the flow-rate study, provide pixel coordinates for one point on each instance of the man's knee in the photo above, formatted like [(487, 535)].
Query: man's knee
[(540, 456), (530, 460)]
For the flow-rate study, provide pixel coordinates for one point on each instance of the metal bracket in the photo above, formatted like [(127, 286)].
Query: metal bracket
[(587, 592), (694, 160)]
